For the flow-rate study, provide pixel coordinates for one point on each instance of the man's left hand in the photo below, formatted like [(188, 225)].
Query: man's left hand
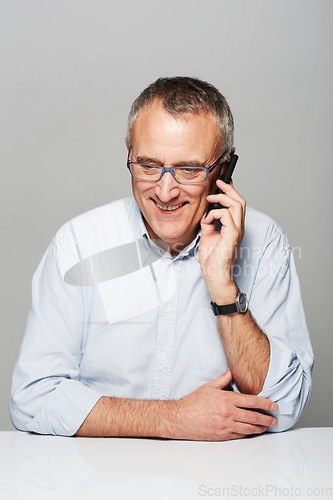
[(217, 250)]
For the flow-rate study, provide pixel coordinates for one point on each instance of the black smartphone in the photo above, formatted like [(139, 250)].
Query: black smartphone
[(226, 178)]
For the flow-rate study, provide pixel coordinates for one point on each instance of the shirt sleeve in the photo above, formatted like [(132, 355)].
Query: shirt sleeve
[(276, 305), (47, 395)]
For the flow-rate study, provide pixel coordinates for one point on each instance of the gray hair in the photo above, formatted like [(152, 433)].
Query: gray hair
[(181, 96)]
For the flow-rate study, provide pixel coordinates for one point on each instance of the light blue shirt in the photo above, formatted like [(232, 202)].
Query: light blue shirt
[(114, 314)]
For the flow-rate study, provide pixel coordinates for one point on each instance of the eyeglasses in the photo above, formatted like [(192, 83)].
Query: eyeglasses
[(183, 175)]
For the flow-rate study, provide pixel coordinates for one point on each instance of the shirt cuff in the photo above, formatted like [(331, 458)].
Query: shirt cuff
[(65, 409), (288, 383)]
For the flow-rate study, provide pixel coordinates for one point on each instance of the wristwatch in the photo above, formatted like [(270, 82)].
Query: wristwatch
[(240, 305)]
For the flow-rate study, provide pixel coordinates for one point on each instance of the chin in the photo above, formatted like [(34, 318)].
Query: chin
[(167, 235)]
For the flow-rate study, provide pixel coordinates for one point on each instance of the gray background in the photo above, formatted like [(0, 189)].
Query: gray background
[(69, 72)]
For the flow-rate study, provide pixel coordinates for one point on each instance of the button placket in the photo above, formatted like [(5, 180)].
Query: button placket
[(165, 334)]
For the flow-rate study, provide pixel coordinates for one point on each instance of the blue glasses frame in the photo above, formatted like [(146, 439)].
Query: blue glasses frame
[(171, 170)]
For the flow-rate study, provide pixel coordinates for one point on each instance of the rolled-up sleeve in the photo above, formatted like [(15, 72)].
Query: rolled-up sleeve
[(47, 396), (276, 305)]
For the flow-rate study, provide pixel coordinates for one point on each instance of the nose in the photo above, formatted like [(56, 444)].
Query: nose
[(167, 187)]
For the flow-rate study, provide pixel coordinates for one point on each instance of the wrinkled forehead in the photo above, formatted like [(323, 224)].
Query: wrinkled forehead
[(157, 126)]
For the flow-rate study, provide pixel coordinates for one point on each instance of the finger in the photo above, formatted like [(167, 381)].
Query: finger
[(207, 219), (228, 224), (255, 418), (226, 200), (222, 380), (214, 214), (230, 191), (218, 213), (234, 206), (249, 429), (235, 435), (254, 402), (207, 226)]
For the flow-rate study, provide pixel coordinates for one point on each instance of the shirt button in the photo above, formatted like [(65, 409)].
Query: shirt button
[(172, 264), (164, 357), (168, 309)]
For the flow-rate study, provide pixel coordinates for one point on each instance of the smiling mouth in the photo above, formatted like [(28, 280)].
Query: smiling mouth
[(169, 208)]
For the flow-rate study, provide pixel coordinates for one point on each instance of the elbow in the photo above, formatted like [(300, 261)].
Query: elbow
[(285, 422), (22, 414), (290, 410), (18, 418), (291, 399)]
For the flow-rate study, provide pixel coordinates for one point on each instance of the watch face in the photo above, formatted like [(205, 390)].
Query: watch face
[(242, 301)]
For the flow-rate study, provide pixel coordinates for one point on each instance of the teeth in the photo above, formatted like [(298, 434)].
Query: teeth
[(165, 207)]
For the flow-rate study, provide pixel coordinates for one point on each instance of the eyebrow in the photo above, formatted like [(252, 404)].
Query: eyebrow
[(154, 161)]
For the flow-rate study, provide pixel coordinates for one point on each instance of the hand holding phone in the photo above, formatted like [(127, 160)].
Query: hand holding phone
[(227, 178)]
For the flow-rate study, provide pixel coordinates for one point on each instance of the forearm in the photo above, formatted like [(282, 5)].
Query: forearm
[(247, 349), (207, 414), (131, 418)]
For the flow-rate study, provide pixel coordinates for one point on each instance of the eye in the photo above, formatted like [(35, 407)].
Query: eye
[(191, 171), (149, 167)]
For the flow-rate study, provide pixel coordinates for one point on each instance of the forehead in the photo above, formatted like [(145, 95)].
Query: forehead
[(156, 129)]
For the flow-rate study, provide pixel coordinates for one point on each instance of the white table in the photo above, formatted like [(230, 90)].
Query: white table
[(294, 464)]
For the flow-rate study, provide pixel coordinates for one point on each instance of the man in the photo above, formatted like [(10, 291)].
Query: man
[(122, 340)]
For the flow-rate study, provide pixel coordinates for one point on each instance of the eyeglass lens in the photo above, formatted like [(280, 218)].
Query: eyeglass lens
[(153, 173)]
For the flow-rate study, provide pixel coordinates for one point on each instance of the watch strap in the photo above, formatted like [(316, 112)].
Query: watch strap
[(226, 309), (240, 305)]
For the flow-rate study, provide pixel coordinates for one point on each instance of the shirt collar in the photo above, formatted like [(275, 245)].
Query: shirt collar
[(190, 249)]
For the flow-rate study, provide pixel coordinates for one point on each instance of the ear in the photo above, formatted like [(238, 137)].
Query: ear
[(232, 151), (127, 145), (226, 163)]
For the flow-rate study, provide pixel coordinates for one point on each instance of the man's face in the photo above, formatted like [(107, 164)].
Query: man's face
[(161, 139)]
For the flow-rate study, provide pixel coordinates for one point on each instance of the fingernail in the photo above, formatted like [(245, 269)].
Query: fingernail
[(274, 407), (274, 421)]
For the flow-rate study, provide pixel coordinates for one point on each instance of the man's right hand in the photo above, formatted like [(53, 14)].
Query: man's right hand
[(213, 414)]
